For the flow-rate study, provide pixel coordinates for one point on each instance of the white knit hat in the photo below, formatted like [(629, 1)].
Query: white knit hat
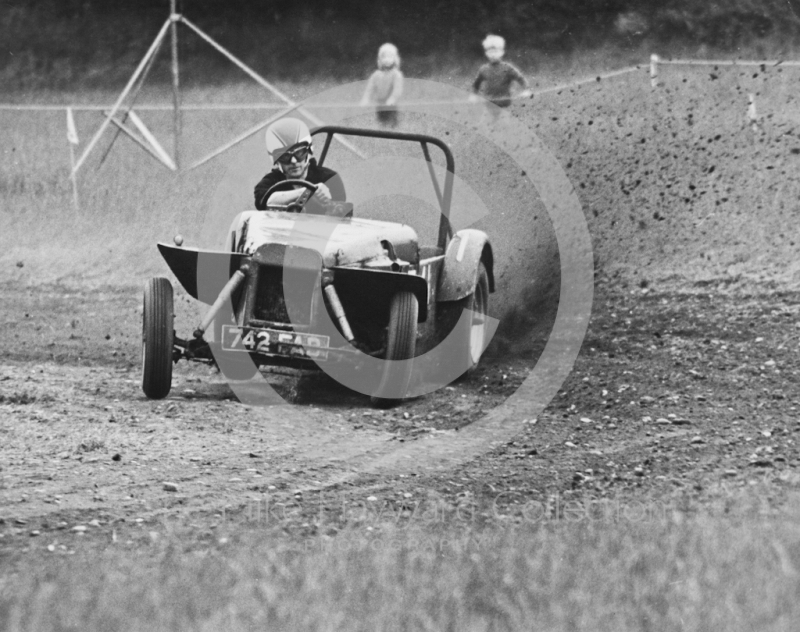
[(494, 41), (389, 55)]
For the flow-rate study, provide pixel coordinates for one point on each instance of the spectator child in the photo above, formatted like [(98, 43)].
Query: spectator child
[(385, 86), (497, 76)]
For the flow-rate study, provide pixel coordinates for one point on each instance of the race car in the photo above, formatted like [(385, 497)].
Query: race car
[(367, 301)]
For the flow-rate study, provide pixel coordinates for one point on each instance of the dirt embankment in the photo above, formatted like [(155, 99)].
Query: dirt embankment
[(677, 183)]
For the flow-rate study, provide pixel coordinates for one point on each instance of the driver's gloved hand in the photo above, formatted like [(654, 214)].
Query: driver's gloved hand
[(285, 197), (322, 194)]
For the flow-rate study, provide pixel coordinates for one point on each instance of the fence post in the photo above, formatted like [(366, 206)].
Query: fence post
[(72, 140), (752, 114), (654, 71), (176, 90)]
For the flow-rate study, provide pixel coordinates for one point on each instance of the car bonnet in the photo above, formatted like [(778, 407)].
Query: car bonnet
[(340, 242)]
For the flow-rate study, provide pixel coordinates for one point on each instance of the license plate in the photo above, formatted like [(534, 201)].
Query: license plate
[(275, 342)]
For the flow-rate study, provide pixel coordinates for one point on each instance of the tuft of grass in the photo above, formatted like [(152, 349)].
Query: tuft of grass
[(18, 398), (90, 445)]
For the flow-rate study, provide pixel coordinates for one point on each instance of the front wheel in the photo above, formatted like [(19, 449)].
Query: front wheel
[(401, 345), (157, 338)]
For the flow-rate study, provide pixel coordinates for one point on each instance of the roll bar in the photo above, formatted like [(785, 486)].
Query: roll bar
[(444, 196)]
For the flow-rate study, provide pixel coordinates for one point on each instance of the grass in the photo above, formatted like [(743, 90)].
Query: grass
[(125, 202), (696, 573)]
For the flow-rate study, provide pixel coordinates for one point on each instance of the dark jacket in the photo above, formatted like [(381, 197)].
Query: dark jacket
[(314, 175), (496, 78)]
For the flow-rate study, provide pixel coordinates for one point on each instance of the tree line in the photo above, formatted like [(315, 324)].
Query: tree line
[(63, 42)]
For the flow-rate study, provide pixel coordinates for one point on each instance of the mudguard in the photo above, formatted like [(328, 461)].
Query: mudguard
[(211, 268), (464, 252), (380, 286)]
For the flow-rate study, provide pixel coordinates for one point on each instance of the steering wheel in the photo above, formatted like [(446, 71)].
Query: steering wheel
[(296, 206)]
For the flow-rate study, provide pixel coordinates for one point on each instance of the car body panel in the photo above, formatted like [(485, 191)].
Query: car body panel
[(212, 266), (380, 285), (341, 242)]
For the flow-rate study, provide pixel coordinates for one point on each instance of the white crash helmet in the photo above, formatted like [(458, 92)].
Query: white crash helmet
[(286, 134)]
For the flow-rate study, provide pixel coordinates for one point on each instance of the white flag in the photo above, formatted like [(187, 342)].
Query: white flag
[(72, 133), (751, 108)]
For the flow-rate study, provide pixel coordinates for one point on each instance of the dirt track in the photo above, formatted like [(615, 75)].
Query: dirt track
[(675, 396)]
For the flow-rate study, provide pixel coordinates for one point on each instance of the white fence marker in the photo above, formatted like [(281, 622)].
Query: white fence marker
[(72, 138), (751, 111), (654, 71), (136, 139), (151, 139), (72, 132)]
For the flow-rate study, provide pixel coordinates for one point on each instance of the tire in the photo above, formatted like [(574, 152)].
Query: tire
[(401, 345), (157, 338), (472, 336)]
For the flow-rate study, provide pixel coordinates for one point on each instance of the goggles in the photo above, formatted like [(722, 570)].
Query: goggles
[(299, 155)]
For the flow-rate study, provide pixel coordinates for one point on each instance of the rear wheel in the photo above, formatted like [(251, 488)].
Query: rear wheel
[(401, 345), (157, 338), (473, 332)]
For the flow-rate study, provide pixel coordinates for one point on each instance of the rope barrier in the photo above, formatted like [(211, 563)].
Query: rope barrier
[(200, 107), (210, 107), (728, 62), (289, 104)]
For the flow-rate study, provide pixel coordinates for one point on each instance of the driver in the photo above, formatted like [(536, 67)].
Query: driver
[(289, 146)]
